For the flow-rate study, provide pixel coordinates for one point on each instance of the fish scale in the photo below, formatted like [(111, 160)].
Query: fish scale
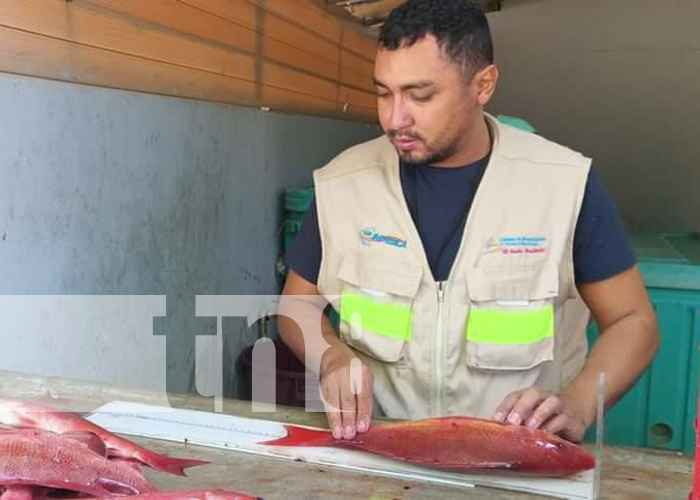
[(46, 459)]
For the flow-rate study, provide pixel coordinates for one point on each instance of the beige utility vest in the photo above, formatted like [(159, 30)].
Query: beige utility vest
[(508, 317)]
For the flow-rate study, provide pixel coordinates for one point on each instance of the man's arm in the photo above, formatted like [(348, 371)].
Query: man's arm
[(628, 342), (301, 306), (629, 339)]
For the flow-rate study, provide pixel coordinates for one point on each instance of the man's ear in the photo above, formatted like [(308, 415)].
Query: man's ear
[(485, 81)]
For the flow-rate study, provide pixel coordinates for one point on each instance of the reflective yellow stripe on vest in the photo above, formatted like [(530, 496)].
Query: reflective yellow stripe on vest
[(510, 327), (382, 318)]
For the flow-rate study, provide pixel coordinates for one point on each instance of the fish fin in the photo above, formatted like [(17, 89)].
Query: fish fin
[(129, 451), (89, 439), (134, 464), (300, 436), (168, 464), (116, 488), (123, 488), (118, 453)]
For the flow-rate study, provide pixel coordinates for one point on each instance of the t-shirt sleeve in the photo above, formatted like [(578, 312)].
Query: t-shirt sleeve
[(304, 256), (601, 247)]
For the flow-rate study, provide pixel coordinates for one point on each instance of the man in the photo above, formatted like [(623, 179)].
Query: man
[(463, 252)]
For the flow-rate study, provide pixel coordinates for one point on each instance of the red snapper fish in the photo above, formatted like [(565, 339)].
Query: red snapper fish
[(458, 443), (38, 458), (29, 415)]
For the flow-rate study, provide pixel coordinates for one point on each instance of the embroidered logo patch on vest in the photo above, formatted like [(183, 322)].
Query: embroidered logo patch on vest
[(369, 235), (513, 245)]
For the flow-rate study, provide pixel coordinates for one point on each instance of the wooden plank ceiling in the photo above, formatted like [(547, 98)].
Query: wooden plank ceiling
[(373, 12), (282, 55)]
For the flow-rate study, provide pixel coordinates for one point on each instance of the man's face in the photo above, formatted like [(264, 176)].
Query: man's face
[(425, 104)]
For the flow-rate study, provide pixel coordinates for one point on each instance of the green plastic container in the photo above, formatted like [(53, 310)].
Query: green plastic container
[(658, 412), (292, 225), (516, 122), (298, 199), (296, 205), (297, 202)]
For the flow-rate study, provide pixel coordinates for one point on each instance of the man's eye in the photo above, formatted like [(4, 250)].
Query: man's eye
[(383, 95), (422, 97)]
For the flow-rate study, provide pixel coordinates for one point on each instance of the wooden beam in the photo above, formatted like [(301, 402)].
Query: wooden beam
[(374, 12), (370, 13), (335, 10)]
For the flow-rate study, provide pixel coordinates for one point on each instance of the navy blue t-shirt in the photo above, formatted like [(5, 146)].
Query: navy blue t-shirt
[(440, 199)]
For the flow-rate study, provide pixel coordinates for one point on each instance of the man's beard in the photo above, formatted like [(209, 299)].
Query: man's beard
[(428, 157)]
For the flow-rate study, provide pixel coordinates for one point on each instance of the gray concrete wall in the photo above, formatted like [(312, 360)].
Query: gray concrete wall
[(620, 81), (122, 194)]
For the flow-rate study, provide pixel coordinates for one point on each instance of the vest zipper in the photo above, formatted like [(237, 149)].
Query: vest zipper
[(438, 356)]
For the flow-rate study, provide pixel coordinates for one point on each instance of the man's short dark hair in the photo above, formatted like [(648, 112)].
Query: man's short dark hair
[(460, 27)]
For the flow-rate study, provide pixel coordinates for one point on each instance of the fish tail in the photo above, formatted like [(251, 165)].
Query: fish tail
[(168, 464), (299, 436)]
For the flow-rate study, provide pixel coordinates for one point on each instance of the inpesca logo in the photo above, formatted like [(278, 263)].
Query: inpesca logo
[(510, 245), (370, 235)]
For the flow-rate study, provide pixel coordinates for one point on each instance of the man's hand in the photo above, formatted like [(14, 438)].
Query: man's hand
[(629, 339), (346, 385), (538, 409)]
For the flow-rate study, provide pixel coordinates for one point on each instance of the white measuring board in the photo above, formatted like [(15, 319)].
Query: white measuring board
[(218, 430)]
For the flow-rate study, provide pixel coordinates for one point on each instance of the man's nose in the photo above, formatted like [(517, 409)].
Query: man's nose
[(400, 115)]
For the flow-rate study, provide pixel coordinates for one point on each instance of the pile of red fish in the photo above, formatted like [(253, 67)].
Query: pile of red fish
[(46, 453)]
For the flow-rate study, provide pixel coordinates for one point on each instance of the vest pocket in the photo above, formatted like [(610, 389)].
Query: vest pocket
[(511, 322), (375, 305)]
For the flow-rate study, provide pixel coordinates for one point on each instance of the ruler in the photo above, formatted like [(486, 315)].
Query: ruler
[(217, 430)]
